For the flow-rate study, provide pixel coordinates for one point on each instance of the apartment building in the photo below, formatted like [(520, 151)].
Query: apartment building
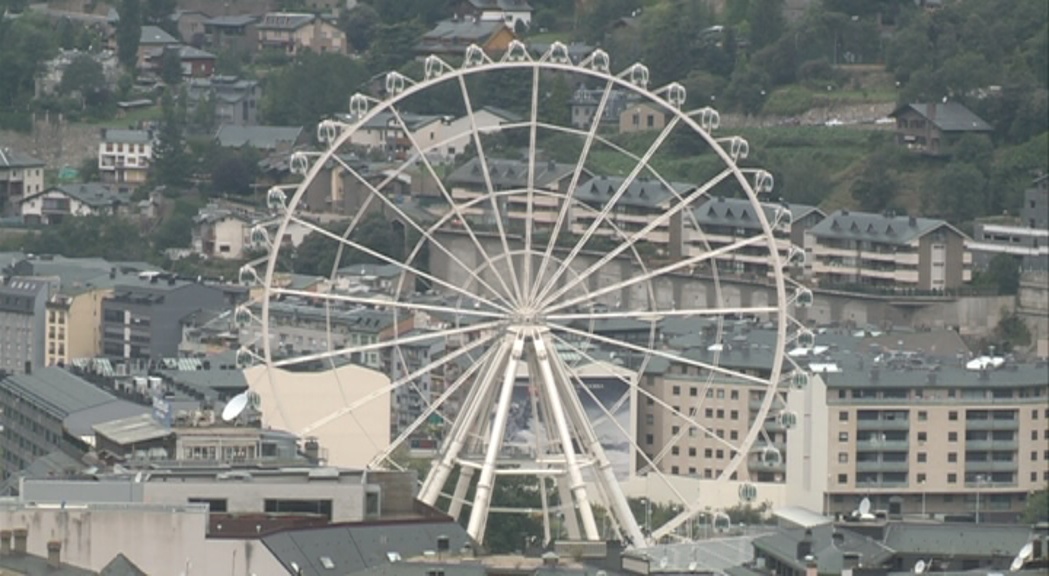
[(293, 33), (1024, 237), (468, 183), (585, 101), (141, 321), (642, 200), (886, 252), (125, 156), (22, 303), (725, 221), (236, 100), (20, 175)]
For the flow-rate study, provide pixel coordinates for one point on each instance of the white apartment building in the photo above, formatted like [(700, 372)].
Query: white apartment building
[(20, 175), (125, 156)]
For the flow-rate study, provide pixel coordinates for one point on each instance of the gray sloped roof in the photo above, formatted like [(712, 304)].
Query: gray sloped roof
[(830, 557), (82, 422), (984, 540), (639, 193), (32, 564), (121, 566), (127, 136), (14, 159), (57, 391), (463, 31), (900, 230), (264, 137), (948, 116), (720, 211), (156, 35), (506, 5), (285, 20), (131, 430), (353, 548), (55, 463), (510, 173), (231, 21), (93, 194)]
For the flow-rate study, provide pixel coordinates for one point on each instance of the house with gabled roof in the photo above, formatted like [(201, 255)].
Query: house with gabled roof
[(517, 14), (452, 37), (20, 174), (887, 252), (292, 33), (931, 128), (57, 203)]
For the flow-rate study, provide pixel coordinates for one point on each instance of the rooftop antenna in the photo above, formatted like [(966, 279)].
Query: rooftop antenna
[(235, 407), (1022, 557)]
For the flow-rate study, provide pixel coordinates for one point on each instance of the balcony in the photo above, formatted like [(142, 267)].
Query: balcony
[(984, 466), (992, 424), (882, 466), (992, 445), (882, 445), (883, 425)]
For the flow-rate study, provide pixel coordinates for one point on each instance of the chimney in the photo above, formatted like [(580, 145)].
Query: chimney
[(21, 535), (913, 221), (811, 568), (54, 554), (5, 542), (932, 111), (805, 545)]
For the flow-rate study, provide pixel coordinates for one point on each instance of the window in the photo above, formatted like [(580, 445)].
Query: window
[(675, 451), (952, 436), (710, 393), (675, 429), (734, 414), (1034, 414), (719, 453), (649, 440), (720, 393), (952, 478), (709, 412), (691, 470), (650, 419), (675, 390), (693, 391), (721, 413), (708, 453), (921, 478), (922, 437), (843, 436), (1034, 434), (923, 415), (1034, 455), (843, 478), (952, 416), (692, 451), (733, 435), (214, 504), (843, 416), (673, 469), (649, 402), (921, 457), (322, 507), (952, 457), (843, 457), (734, 395)]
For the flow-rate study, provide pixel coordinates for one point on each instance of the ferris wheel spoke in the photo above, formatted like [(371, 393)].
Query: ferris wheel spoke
[(479, 149), (577, 173), (350, 350), (654, 315), (669, 268), (610, 205), (385, 303), (426, 234), (526, 284), (643, 233), (404, 267), (659, 401), (421, 154), (432, 407), (660, 353), (393, 386)]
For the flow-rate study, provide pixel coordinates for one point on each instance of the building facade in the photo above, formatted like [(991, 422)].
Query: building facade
[(293, 33), (125, 157), (883, 252), (20, 175), (933, 128), (22, 302), (236, 100), (53, 205)]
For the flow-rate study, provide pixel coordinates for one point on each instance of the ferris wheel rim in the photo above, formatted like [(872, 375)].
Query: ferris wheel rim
[(460, 74)]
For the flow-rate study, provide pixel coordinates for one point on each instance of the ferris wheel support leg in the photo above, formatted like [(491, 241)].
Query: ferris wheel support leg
[(567, 510), (575, 476), (466, 475), (605, 478), (460, 433), (486, 482)]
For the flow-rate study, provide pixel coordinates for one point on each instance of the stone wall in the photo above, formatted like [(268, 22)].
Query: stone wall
[(55, 141)]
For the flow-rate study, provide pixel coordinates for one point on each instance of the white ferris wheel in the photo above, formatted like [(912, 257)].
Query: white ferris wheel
[(529, 240)]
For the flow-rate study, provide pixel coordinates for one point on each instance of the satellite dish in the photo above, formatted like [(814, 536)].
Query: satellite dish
[(865, 506), (692, 566), (1022, 557), (919, 567), (663, 562), (235, 406)]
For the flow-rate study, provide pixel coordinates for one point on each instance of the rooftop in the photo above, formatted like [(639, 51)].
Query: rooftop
[(57, 391), (506, 173), (878, 228), (948, 116), (93, 194), (263, 137), (738, 212), (640, 192), (127, 136), (14, 159), (285, 21), (156, 35), (234, 21), (460, 32)]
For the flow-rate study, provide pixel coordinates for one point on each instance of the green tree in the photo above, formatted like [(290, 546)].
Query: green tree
[(960, 192), (156, 12), (766, 22), (177, 228), (205, 116), (747, 89), (1003, 273), (316, 86), (88, 171), (171, 164), (25, 43), (1037, 509), (875, 189), (1012, 333), (171, 67), (129, 33), (393, 45), (359, 25), (91, 236), (803, 180)]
